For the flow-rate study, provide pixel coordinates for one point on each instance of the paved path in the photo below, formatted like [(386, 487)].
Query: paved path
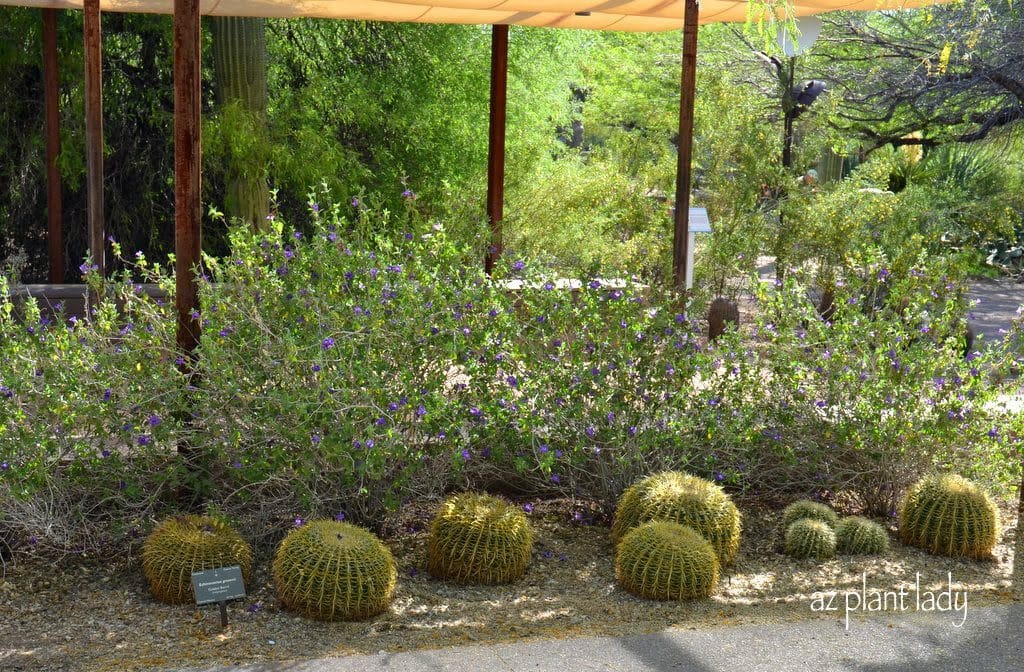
[(998, 301), (990, 640)]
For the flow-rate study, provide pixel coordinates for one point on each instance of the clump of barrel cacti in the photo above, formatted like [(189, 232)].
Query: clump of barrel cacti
[(184, 544), (809, 538), (334, 571), (477, 538), (856, 535), (949, 515), (684, 499), (662, 560), (805, 508)]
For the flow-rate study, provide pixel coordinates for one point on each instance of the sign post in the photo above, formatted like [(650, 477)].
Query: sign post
[(218, 585), (698, 223)]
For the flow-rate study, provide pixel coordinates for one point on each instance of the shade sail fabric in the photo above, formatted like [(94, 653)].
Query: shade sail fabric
[(624, 15)]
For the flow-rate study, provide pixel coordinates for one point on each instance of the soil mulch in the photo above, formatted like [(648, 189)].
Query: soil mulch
[(94, 614)]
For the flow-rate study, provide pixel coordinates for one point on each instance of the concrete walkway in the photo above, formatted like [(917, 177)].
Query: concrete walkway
[(997, 303), (991, 639)]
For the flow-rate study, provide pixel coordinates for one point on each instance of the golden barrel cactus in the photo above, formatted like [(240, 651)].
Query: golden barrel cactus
[(477, 538), (334, 571), (950, 515), (662, 560), (681, 498), (189, 543)]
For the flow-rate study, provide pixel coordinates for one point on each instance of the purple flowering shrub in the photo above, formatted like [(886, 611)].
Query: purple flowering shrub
[(89, 410), (343, 371)]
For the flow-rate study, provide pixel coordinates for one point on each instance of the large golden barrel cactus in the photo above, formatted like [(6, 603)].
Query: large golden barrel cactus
[(684, 499), (334, 571), (950, 515), (477, 538), (662, 560), (185, 544)]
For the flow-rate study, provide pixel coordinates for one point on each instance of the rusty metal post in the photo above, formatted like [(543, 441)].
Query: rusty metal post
[(187, 163), (687, 94), (51, 103), (496, 143), (94, 132)]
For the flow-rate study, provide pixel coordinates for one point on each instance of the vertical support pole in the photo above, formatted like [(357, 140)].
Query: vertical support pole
[(51, 103), (687, 94), (187, 209), (187, 163), (94, 131), (496, 143)]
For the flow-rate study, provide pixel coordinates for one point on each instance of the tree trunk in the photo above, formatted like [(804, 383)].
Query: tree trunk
[(240, 70)]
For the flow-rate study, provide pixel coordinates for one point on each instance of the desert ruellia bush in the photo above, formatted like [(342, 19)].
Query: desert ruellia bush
[(805, 508), (184, 544), (334, 571), (809, 538), (477, 538), (663, 560), (950, 515), (685, 499), (856, 535)]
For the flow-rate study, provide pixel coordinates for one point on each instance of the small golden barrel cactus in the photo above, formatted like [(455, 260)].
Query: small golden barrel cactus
[(859, 536), (681, 498), (334, 571), (950, 515), (661, 560), (809, 538), (805, 508), (185, 544), (477, 538)]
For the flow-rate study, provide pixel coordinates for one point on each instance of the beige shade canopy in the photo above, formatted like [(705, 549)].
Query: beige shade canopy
[(626, 15)]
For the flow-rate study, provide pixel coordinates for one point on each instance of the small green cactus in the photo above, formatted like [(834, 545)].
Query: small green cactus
[(856, 535), (477, 538), (950, 515), (684, 499), (661, 560), (809, 538), (185, 544), (334, 571), (805, 508)]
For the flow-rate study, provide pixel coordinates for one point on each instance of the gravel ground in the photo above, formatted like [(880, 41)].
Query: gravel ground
[(98, 615)]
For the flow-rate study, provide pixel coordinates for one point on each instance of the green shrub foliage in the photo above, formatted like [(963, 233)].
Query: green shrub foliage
[(805, 508), (477, 538), (685, 499), (663, 560), (856, 535), (950, 515), (185, 544), (809, 538), (334, 571)]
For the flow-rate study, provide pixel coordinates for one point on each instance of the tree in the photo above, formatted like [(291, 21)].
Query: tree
[(951, 73)]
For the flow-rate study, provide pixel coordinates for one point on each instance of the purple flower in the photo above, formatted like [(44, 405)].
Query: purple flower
[(299, 522), (421, 410), (555, 479), (543, 448), (466, 455), (355, 202), (610, 417), (408, 193), (548, 555), (519, 265), (475, 412), (340, 516), (590, 431), (105, 453), (154, 420), (883, 274), (4, 466), (993, 433), (528, 507), (327, 343), (369, 443), (485, 453), (106, 394), (315, 439), (595, 284), (254, 607), (549, 285), (144, 440), (512, 381), (316, 367)]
